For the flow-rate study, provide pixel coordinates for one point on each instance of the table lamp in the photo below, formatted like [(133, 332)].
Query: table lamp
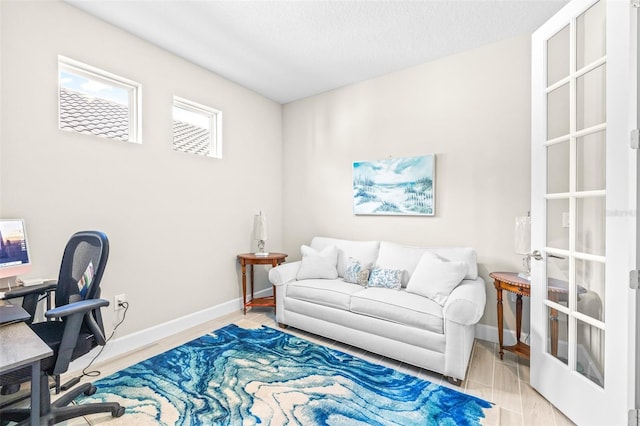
[(522, 242), (260, 232)]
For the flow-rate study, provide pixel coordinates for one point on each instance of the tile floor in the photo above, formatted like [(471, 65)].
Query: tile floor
[(503, 382)]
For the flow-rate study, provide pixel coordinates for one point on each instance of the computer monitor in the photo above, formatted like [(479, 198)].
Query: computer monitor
[(14, 250)]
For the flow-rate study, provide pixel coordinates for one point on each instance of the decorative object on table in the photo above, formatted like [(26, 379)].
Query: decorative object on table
[(522, 243), (260, 232), (239, 376), (395, 186)]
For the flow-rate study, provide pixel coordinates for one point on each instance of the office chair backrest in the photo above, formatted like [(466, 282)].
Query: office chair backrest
[(83, 263)]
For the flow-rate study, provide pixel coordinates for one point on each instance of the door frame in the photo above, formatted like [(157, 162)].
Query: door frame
[(594, 405)]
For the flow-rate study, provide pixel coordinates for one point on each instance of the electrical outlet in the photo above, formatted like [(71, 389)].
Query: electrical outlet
[(118, 301)]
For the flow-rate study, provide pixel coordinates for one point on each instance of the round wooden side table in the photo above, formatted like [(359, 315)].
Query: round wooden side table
[(273, 259), (511, 282)]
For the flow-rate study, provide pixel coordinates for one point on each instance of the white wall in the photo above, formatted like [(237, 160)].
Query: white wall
[(175, 221), (472, 110)]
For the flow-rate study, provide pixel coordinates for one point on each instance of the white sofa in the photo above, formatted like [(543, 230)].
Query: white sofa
[(434, 333)]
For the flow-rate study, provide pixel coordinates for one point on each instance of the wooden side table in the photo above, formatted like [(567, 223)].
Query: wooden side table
[(273, 259), (511, 282)]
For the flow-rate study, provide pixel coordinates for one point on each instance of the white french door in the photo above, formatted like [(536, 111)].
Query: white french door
[(583, 211)]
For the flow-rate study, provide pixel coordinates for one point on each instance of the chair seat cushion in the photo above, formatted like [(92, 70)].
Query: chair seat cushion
[(51, 333), (399, 307)]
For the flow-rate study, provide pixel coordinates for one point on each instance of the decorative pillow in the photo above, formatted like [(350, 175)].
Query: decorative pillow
[(357, 273), (396, 256), (435, 279), (387, 278), (85, 280), (365, 251), (318, 264)]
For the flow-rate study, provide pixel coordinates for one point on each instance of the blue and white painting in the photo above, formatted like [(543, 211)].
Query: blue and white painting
[(395, 186)]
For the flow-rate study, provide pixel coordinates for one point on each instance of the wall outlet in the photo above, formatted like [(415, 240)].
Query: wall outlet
[(118, 301)]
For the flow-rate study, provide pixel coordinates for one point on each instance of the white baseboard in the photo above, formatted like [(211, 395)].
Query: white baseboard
[(138, 340), (490, 334)]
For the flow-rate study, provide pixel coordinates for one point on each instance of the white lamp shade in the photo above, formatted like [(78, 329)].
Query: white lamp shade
[(522, 237), (260, 227)]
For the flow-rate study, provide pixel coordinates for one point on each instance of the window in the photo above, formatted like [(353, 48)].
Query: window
[(95, 102), (197, 129)]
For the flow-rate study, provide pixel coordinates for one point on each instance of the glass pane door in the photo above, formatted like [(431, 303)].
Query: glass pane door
[(581, 314), (576, 191)]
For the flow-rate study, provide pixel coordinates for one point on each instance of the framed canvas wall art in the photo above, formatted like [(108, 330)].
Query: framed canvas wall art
[(395, 186)]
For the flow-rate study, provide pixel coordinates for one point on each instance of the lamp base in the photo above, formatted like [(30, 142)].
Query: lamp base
[(526, 262), (262, 253)]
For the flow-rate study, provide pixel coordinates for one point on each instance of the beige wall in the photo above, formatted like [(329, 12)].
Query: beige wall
[(175, 221), (472, 110)]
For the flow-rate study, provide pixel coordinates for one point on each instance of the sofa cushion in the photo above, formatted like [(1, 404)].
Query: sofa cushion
[(435, 278), (399, 307), (318, 264), (363, 251), (332, 293)]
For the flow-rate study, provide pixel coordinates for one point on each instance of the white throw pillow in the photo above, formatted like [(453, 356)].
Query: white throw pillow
[(364, 251), (396, 256), (435, 279), (318, 264)]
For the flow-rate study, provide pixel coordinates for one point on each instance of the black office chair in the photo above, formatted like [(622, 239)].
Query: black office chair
[(77, 329)]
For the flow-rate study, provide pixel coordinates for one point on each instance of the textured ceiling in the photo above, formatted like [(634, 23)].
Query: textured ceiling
[(287, 50)]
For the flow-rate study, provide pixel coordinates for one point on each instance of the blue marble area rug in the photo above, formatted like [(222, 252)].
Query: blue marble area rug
[(239, 376)]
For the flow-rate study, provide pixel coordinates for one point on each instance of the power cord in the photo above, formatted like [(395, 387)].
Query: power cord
[(95, 373)]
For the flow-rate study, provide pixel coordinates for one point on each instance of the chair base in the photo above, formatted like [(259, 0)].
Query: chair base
[(59, 411)]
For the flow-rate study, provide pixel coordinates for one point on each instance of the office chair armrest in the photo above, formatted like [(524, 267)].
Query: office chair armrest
[(32, 289), (74, 312), (79, 307)]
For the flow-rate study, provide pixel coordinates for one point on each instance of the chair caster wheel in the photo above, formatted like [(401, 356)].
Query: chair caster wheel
[(90, 391), (9, 389), (119, 412)]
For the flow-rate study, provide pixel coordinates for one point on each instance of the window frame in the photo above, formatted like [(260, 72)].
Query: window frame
[(214, 117), (133, 88)]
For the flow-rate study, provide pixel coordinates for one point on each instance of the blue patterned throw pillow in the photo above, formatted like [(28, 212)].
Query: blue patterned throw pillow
[(387, 278), (356, 273)]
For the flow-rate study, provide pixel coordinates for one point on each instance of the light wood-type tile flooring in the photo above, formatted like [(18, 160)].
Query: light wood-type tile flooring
[(503, 382)]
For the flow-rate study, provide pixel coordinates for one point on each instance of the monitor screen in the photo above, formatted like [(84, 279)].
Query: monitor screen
[(14, 251)]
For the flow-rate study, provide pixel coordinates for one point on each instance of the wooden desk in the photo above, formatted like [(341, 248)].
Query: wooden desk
[(273, 259), (21, 347), (511, 282)]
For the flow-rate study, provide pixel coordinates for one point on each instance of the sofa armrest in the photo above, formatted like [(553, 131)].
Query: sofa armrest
[(465, 304), (284, 273)]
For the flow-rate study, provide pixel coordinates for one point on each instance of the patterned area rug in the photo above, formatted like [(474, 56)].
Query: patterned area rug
[(238, 376)]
